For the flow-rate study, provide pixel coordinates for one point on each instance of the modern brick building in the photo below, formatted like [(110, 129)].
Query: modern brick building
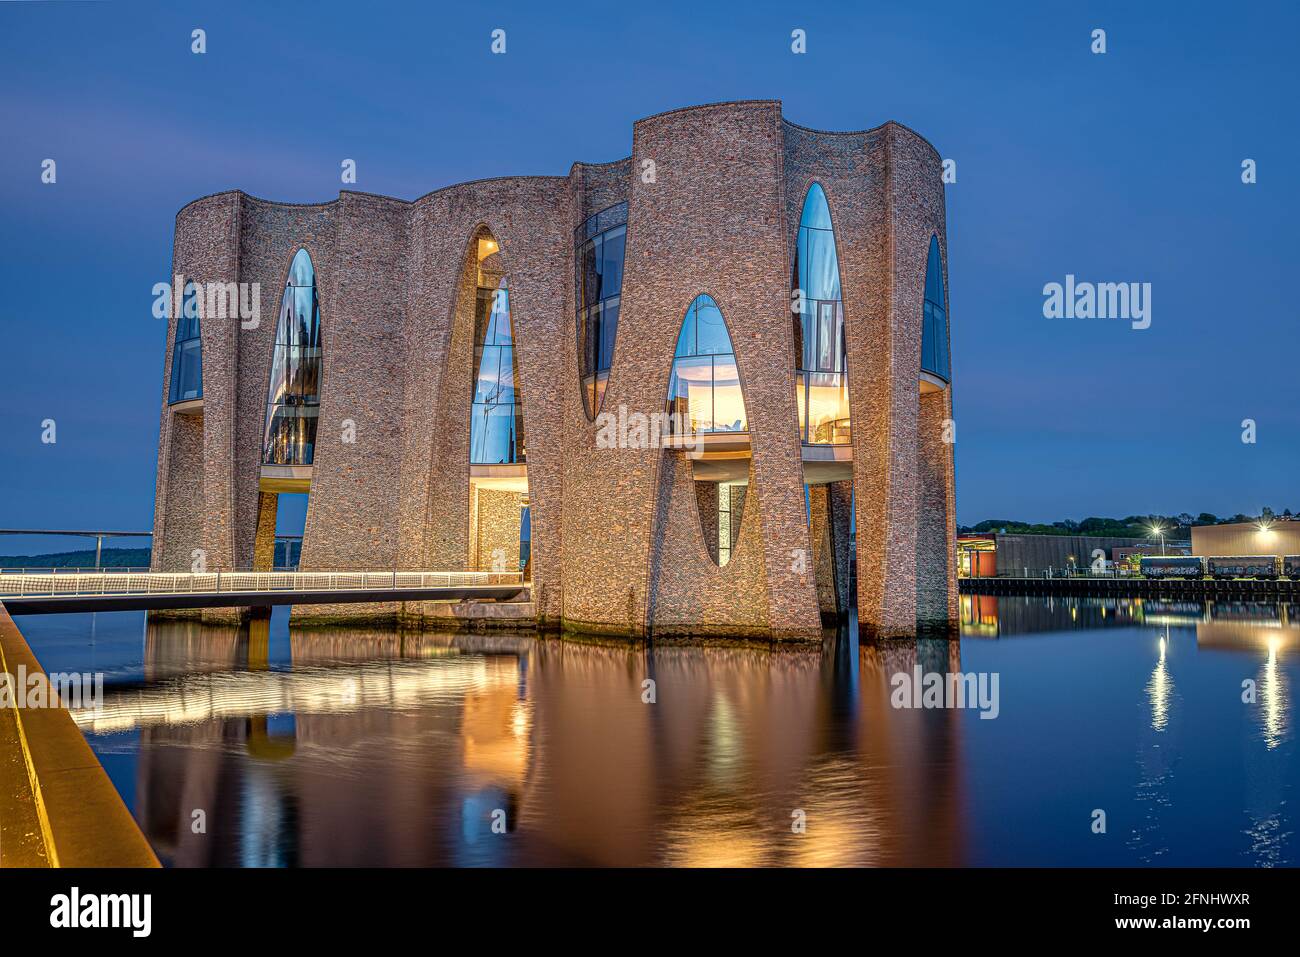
[(654, 383)]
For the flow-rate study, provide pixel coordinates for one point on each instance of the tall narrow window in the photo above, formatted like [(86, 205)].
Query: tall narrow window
[(599, 244), (934, 330), (822, 379), (704, 393), (293, 403), (496, 428), (187, 353)]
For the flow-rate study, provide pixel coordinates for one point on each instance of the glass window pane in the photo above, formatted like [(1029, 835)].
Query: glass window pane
[(187, 371), (710, 330), (302, 379), (690, 393), (487, 360), (301, 272), (291, 435), (611, 279), (278, 376), (826, 336), (591, 342), (293, 402), (608, 331), (686, 338), (801, 400), (728, 402), (501, 332), (934, 274), (828, 409), (492, 434), (816, 211), (506, 376), (927, 338), (590, 275), (837, 330), (821, 269), (600, 245)]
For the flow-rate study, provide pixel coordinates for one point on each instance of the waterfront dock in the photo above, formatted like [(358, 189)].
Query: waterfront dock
[(1201, 589)]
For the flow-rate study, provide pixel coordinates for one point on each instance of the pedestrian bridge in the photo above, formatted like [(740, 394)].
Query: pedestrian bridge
[(55, 591)]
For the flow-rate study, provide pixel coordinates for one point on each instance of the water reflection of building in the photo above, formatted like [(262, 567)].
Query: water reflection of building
[(382, 748), (993, 616)]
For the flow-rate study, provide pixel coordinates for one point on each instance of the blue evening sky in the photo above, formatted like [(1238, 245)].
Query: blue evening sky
[(1117, 167)]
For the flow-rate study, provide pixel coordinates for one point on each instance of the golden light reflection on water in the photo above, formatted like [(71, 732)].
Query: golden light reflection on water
[(393, 748), (1160, 687), (382, 747), (1274, 699)]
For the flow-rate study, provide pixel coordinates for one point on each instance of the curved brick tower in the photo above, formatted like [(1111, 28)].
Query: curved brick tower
[(432, 408)]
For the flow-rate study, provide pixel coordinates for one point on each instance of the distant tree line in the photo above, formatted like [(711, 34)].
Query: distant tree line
[(1134, 526), (85, 558)]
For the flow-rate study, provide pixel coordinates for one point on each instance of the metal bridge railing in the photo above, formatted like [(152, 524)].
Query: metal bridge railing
[(22, 583)]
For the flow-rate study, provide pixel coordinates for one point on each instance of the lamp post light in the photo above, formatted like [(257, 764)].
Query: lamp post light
[(1158, 529)]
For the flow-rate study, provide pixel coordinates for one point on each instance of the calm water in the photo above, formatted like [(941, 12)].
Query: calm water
[(395, 748)]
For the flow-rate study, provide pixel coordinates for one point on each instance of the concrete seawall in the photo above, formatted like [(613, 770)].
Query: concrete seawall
[(58, 807)]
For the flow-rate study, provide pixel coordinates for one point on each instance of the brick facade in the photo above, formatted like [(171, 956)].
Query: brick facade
[(618, 543)]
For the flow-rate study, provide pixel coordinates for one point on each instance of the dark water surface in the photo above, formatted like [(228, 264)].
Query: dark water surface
[(379, 747)]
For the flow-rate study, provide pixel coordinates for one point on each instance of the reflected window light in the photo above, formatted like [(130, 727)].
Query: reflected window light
[(821, 380), (496, 432), (293, 400), (704, 392), (599, 244), (187, 351), (934, 328)]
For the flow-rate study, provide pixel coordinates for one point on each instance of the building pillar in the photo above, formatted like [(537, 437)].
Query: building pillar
[(840, 501), (823, 551), (936, 532), (706, 499), (264, 542)]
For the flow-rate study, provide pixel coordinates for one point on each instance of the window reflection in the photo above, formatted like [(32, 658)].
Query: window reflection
[(704, 393), (496, 428), (821, 382), (599, 243), (293, 403), (187, 352), (934, 329)]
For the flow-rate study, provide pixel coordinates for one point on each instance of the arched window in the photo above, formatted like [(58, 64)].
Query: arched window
[(496, 427), (599, 244), (293, 403), (704, 393), (822, 380), (187, 353), (934, 331)]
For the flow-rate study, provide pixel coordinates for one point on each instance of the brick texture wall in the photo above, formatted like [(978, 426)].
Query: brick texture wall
[(714, 196)]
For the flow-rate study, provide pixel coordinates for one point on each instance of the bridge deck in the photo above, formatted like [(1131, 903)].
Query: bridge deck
[(53, 593)]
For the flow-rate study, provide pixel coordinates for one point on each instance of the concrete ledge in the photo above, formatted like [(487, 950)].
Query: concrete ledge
[(473, 615), (81, 820)]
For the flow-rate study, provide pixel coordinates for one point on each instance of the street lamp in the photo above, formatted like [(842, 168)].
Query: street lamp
[(1158, 529)]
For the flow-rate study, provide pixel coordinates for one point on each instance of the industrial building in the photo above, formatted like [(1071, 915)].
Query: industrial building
[(1279, 538), (994, 554)]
